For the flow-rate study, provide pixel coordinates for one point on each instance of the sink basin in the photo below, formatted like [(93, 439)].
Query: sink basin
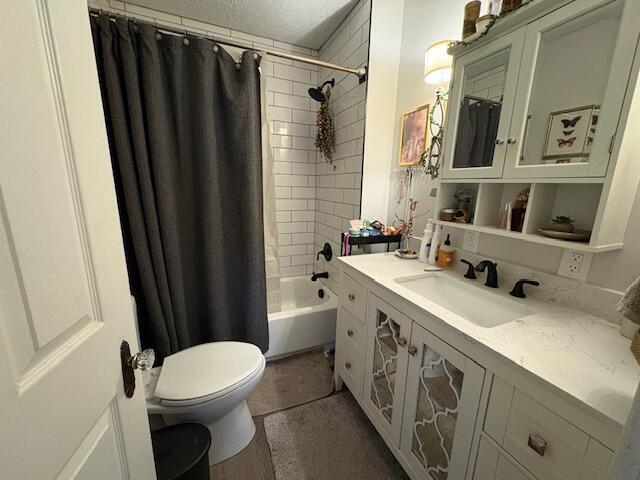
[(478, 305)]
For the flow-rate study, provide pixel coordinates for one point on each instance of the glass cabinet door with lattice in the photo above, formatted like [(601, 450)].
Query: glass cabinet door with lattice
[(441, 404), (386, 359), (481, 100), (576, 66)]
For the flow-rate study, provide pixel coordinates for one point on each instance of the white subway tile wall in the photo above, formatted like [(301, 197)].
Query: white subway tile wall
[(338, 186), (314, 201), (489, 84)]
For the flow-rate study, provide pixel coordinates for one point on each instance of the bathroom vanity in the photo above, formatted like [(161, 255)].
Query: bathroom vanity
[(467, 382)]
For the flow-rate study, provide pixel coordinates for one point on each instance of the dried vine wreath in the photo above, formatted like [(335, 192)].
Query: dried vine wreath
[(325, 135)]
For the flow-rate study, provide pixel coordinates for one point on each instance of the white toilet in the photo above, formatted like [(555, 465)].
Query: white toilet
[(209, 384)]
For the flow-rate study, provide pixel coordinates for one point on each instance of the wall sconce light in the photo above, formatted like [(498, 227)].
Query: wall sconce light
[(437, 63)]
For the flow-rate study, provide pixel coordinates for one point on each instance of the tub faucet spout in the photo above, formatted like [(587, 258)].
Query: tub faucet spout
[(316, 276)]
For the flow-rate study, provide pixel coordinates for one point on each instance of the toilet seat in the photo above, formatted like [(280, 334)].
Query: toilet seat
[(205, 372)]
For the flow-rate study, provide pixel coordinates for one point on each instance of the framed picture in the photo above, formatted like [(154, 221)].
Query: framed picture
[(570, 134), (414, 135)]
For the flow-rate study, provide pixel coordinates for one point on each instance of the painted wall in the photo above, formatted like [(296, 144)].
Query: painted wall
[(424, 23), (384, 63)]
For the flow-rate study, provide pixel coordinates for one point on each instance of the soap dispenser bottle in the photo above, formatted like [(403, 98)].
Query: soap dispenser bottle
[(425, 246), (446, 254)]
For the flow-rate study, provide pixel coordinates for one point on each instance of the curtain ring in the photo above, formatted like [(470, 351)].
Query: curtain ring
[(215, 48), (185, 41), (255, 56), (158, 36), (238, 66)]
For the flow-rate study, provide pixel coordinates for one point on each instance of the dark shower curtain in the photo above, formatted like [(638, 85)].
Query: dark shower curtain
[(183, 121)]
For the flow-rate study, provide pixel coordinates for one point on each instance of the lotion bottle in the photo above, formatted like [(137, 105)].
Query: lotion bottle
[(427, 235), (435, 243)]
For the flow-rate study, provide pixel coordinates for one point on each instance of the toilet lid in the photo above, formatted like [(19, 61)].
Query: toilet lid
[(207, 369)]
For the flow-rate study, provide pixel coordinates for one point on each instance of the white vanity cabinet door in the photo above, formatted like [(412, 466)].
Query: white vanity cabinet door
[(484, 77), (576, 66), (388, 333), (441, 405)]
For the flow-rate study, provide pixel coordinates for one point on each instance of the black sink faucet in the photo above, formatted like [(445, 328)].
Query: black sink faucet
[(471, 272), (492, 272), (316, 276), (518, 288)]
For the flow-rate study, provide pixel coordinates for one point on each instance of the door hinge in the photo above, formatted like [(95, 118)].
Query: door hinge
[(613, 139)]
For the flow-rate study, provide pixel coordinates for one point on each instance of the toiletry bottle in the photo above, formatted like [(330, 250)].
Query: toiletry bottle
[(502, 218), (509, 215), (435, 242), (446, 254), (427, 235)]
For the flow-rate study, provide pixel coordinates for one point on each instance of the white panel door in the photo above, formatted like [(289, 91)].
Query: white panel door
[(64, 296)]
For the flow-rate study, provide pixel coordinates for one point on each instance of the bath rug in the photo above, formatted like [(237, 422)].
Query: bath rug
[(292, 381), (328, 439)]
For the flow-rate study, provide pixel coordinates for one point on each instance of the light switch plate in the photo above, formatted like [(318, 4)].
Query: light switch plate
[(471, 240), (575, 265)]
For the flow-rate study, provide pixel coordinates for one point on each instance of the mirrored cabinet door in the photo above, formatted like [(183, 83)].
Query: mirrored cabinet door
[(386, 365), (441, 403), (480, 107), (570, 92)]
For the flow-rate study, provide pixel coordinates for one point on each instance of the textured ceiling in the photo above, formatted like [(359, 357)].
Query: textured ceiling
[(307, 23)]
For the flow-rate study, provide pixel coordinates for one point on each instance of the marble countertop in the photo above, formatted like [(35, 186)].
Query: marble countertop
[(579, 354)]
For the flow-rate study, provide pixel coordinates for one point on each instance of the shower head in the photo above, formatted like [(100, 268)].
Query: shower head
[(317, 94)]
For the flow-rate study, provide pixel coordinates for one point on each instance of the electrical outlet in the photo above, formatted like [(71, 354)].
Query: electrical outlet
[(471, 240), (575, 265)]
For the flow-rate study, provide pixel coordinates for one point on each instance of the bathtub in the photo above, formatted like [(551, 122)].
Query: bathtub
[(305, 320)]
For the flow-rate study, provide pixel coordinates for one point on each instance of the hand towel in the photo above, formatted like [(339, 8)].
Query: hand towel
[(629, 306)]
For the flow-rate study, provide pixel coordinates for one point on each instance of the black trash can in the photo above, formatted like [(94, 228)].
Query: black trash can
[(181, 452)]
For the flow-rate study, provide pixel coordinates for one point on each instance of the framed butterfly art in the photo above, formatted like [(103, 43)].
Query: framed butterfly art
[(570, 134)]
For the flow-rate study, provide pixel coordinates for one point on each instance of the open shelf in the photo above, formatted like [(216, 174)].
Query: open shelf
[(531, 237), (580, 201)]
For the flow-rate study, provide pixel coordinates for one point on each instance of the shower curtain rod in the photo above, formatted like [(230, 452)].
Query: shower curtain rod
[(361, 73)]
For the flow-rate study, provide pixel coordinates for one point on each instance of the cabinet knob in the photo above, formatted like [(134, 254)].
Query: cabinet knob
[(499, 141), (511, 140), (347, 365), (352, 297), (402, 341), (349, 332), (412, 350), (537, 444)]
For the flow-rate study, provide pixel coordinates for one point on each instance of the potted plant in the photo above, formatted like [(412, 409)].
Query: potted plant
[(562, 224)]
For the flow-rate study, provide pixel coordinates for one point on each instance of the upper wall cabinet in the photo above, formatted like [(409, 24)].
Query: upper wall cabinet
[(545, 99), (481, 107)]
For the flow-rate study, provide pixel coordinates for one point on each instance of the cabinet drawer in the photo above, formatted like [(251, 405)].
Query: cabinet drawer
[(350, 364), (354, 298), (350, 340), (493, 464), (350, 332), (544, 443)]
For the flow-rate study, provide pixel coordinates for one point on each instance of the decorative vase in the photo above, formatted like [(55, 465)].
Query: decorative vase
[(471, 14)]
